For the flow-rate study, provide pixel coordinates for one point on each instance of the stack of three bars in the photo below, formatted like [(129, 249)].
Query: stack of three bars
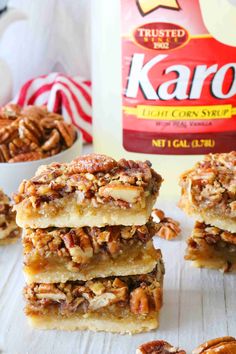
[(209, 194), (89, 259)]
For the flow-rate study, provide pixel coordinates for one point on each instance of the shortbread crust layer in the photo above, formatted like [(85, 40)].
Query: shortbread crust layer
[(93, 190), (131, 324), (212, 247), (126, 302), (209, 191)]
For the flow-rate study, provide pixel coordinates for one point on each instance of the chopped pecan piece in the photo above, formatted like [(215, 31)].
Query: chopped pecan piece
[(79, 245), (129, 194), (97, 287), (139, 301), (166, 227)]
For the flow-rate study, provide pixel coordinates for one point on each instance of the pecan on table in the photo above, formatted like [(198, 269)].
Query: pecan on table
[(158, 347), (222, 345), (166, 227)]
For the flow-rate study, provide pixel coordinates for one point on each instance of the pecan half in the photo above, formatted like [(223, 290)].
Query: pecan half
[(158, 347), (29, 156), (222, 345), (35, 112), (67, 132), (11, 111), (93, 163), (52, 142), (29, 128), (4, 153)]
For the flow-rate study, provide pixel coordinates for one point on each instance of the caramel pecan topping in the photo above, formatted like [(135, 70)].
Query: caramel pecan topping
[(94, 178), (81, 244), (158, 347), (95, 294), (220, 345), (213, 235), (32, 133), (212, 184)]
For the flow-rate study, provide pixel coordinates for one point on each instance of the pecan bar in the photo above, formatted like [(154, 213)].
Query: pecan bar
[(209, 191), (9, 231), (60, 254), (129, 304), (212, 247), (93, 190)]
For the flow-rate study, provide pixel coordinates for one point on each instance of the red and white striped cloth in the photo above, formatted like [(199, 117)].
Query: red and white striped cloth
[(62, 94)]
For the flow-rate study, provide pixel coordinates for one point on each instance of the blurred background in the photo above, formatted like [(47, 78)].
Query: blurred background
[(38, 37)]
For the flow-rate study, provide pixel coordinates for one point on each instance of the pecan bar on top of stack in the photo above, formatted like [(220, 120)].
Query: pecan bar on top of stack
[(209, 194), (89, 259)]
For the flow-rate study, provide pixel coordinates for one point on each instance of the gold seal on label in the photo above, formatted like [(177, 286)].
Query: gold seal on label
[(147, 6)]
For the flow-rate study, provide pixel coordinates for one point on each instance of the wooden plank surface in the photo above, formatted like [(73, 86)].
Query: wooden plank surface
[(198, 305)]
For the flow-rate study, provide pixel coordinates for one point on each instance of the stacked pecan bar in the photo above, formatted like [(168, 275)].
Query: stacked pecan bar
[(209, 194), (89, 259)]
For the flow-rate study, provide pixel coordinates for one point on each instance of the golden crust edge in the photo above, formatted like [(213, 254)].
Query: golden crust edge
[(91, 322), (224, 223), (62, 277), (216, 264)]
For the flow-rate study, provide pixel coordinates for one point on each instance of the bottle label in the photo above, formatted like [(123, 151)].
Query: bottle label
[(178, 78)]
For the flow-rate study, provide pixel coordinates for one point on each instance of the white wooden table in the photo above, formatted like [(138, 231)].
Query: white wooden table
[(198, 305)]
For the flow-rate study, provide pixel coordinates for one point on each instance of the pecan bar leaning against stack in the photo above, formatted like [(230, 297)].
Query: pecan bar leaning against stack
[(89, 259), (209, 194), (9, 231)]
